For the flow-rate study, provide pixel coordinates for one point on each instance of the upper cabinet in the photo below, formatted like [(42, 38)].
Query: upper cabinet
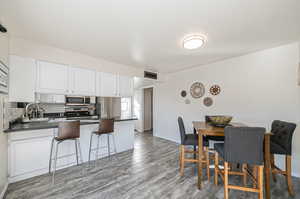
[(112, 85), (82, 81), (125, 86), (4, 48), (22, 79), (107, 85), (52, 78)]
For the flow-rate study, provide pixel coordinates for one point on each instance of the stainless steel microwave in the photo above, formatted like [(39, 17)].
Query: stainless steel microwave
[(79, 100)]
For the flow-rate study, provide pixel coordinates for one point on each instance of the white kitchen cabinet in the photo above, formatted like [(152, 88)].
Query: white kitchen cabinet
[(125, 86), (108, 85), (52, 78), (4, 48), (82, 81), (50, 98), (22, 79)]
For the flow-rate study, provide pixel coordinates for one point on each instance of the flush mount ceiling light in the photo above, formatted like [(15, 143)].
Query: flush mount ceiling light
[(193, 42)]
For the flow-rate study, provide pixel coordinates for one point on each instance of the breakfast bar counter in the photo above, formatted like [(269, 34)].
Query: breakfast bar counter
[(29, 146)]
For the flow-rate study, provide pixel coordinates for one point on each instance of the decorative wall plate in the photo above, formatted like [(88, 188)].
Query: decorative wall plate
[(208, 101), (197, 90), (215, 90), (187, 101), (183, 93)]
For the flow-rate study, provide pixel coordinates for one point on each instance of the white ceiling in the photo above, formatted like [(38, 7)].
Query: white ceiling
[(148, 33)]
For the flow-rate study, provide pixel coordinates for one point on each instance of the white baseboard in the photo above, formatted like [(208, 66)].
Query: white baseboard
[(4, 191), (166, 138)]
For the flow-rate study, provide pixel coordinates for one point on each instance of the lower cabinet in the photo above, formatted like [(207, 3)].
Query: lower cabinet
[(29, 151)]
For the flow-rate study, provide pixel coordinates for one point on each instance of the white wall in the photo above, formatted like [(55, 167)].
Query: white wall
[(138, 108), (256, 89), (3, 136), (25, 48)]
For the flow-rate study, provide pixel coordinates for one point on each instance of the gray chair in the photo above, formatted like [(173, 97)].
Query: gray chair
[(106, 127), (66, 131), (243, 145), (190, 140), (281, 143)]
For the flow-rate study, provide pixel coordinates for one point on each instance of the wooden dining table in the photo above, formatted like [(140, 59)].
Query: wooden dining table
[(206, 129)]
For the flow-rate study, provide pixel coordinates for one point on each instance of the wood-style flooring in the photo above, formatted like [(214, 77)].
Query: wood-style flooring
[(149, 171)]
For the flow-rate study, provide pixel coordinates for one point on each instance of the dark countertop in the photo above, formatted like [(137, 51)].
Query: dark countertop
[(54, 124)]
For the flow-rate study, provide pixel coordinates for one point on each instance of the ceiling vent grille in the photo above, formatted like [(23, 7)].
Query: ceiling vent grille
[(150, 75)]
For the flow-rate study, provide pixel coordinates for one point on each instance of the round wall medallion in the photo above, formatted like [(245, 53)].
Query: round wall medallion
[(215, 90), (208, 101), (197, 90), (183, 93), (187, 101)]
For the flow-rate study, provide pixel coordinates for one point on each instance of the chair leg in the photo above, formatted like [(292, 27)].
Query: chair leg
[(80, 151), (254, 173), (115, 146), (288, 165), (90, 149), (216, 167), (244, 167), (207, 163), (51, 151), (108, 146), (182, 160), (55, 161), (261, 182), (272, 158), (76, 152), (226, 180), (97, 150)]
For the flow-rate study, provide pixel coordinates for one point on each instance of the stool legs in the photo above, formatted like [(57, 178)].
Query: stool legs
[(98, 145), (108, 146), (90, 149), (55, 161), (50, 159), (77, 148)]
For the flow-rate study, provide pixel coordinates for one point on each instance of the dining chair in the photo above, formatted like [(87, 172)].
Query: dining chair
[(281, 143), (191, 140), (243, 145)]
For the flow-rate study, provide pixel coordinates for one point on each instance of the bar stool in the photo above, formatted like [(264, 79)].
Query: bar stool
[(281, 144), (66, 131), (191, 140), (243, 145), (106, 127)]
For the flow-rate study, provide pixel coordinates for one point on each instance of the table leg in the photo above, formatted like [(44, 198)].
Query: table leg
[(200, 155), (267, 166)]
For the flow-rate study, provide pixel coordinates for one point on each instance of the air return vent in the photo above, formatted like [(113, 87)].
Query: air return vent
[(150, 75)]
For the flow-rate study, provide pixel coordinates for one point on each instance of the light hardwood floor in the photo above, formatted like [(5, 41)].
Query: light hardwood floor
[(151, 170)]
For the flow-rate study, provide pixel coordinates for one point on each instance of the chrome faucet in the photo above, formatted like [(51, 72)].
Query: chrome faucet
[(38, 109)]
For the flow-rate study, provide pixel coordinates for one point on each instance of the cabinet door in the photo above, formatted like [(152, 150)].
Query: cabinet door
[(52, 78), (82, 81), (108, 85), (125, 86), (4, 48), (22, 79), (27, 156)]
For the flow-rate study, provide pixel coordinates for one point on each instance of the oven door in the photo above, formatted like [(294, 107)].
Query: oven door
[(75, 100)]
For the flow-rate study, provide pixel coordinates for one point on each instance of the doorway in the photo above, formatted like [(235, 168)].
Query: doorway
[(148, 110)]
